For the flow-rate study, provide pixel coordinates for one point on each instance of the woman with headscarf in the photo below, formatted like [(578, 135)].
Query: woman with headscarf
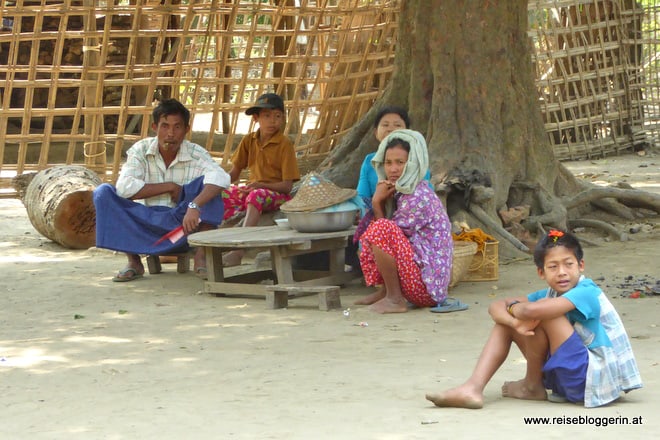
[(406, 236)]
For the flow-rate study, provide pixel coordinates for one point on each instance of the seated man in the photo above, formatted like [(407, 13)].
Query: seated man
[(178, 184)]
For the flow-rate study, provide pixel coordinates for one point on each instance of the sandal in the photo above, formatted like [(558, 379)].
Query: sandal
[(202, 272), (449, 305), (126, 274)]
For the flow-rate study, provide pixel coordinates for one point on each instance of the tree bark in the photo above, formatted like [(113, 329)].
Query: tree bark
[(463, 70), (59, 205)]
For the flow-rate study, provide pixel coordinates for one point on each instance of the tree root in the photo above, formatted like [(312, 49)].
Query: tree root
[(634, 197), (483, 217), (597, 224), (616, 201), (560, 212), (614, 207)]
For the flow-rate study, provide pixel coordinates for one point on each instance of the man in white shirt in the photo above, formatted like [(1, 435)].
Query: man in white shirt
[(166, 182)]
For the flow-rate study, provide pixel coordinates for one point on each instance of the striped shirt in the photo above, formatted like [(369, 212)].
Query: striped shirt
[(145, 165)]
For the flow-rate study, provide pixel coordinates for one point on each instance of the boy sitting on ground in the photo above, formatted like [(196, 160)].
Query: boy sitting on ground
[(570, 334)]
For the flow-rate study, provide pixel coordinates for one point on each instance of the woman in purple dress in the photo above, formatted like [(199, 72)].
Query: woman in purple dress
[(406, 237)]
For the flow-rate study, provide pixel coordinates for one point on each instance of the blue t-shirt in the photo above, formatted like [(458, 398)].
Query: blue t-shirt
[(369, 179), (586, 315)]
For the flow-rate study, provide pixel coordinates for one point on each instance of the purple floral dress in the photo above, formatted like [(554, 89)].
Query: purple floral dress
[(423, 220)]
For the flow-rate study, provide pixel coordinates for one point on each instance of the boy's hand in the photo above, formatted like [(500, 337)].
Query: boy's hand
[(525, 328)]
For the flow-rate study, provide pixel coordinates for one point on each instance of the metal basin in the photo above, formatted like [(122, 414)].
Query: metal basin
[(321, 221)]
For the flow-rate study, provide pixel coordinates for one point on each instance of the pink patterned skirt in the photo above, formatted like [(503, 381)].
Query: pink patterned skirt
[(387, 236), (263, 199)]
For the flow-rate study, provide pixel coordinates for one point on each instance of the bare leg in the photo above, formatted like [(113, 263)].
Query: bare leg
[(535, 350), (234, 258), (252, 216), (200, 255), (393, 302), (471, 393), (549, 335)]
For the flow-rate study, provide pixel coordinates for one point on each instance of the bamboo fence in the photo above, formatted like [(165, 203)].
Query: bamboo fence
[(79, 78), (590, 75)]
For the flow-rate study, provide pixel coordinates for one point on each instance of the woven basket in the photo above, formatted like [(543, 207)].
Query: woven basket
[(485, 264), (463, 253)]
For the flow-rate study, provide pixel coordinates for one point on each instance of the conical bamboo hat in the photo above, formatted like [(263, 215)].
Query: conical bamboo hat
[(317, 192)]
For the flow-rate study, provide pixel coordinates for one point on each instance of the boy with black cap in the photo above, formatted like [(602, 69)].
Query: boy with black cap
[(271, 159)]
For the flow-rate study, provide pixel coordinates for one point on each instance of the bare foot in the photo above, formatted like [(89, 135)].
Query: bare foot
[(521, 390), (462, 396), (232, 258), (372, 298), (386, 305)]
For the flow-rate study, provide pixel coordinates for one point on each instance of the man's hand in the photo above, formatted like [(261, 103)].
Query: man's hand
[(174, 192), (191, 220)]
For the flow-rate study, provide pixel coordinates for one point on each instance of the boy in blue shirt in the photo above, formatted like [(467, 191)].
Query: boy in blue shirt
[(570, 334)]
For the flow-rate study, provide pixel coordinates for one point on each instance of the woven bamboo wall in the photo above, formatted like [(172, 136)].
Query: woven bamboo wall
[(646, 81), (589, 73), (78, 77)]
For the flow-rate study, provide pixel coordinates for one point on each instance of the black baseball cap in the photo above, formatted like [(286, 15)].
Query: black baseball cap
[(267, 100)]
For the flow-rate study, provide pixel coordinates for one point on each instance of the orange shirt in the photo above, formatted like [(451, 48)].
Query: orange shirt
[(273, 162)]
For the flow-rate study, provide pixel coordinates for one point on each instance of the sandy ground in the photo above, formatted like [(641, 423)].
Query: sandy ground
[(82, 357)]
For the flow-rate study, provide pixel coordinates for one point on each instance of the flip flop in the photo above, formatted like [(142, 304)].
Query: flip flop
[(450, 305), (202, 273), (126, 274)]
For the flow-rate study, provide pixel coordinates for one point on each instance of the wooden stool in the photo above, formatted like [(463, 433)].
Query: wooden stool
[(182, 262), (277, 296)]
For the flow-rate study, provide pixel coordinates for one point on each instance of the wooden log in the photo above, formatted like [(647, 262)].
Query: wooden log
[(59, 205)]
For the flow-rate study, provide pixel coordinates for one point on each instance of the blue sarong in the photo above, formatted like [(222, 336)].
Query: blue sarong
[(565, 372), (127, 226)]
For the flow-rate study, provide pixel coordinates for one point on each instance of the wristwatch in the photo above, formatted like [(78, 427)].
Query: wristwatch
[(193, 205)]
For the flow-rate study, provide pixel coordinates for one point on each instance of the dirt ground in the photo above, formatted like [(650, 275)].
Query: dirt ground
[(82, 357)]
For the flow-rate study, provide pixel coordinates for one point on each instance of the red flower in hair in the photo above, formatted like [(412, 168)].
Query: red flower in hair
[(555, 234)]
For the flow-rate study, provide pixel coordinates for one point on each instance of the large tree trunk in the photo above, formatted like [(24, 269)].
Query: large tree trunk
[(463, 69)]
